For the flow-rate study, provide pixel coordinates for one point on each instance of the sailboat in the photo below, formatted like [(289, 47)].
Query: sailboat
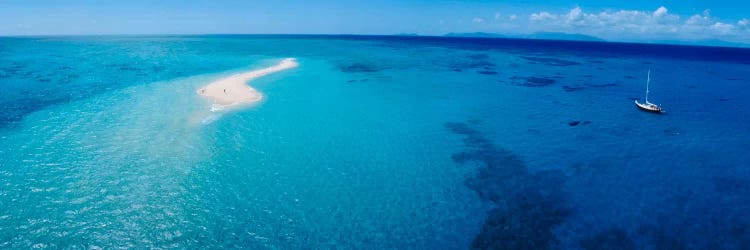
[(647, 106)]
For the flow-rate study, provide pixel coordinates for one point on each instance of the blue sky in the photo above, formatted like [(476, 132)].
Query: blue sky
[(633, 20)]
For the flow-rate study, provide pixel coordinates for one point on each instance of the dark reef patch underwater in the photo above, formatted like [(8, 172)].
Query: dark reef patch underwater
[(578, 87), (612, 239), (481, 62), (487, 72), (550, 61), (527, 205), (359, 67), (533, 81)]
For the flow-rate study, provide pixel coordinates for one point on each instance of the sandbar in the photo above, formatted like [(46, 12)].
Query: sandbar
[(233, 90)]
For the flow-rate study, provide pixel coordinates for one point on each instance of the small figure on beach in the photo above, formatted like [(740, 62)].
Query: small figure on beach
[(219, 90)]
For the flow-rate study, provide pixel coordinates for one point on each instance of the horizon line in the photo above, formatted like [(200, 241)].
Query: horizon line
[(381, 35)]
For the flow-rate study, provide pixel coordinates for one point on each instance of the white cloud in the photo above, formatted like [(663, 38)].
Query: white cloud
[(723, 28), (698, 20), (477, 20), (661, 11), (639, 25), (497, 15), (542, 16), (576, 14), (701, 20), (513, 17)]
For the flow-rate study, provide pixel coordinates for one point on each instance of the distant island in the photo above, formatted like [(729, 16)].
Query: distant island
[(588, 38), (563, 36), (475, 34), (535, 35), (705, 42), (406, 34)]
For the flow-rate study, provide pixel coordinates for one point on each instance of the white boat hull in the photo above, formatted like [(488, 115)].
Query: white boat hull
[(649, 107)]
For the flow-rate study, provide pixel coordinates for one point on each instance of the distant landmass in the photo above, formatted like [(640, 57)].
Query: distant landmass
[(406, 34), (563, 36), (582, 37), (475, 34), (536, 35), (706, 42)]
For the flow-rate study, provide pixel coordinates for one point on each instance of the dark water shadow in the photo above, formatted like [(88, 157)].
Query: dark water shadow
[(528, 205), (550, 61), (611, 239), (578, 87), (532, 81), (578, 122), (477, 61), (359, 67)]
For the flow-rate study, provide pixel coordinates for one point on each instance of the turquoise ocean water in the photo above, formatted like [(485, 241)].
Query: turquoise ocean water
[(372, 143)]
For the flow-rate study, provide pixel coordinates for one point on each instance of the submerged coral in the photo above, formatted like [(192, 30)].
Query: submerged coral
[(359, 68), (612, 239), (550, 61), (528, 204), (533, 81)]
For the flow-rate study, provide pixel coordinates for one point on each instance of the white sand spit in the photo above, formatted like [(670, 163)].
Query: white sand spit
[(233, 90)]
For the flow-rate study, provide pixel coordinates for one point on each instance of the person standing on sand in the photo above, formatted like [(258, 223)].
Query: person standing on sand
[(225, 91)]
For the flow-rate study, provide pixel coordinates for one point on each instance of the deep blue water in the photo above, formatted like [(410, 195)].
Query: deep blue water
[(373, 142)]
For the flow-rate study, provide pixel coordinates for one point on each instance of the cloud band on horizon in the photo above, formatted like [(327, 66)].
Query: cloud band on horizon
[(636, 25)]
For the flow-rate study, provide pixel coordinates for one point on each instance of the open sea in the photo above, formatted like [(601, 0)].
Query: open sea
[(373, 142)]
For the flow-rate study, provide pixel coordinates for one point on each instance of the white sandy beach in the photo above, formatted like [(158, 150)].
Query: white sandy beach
[(233, 90)]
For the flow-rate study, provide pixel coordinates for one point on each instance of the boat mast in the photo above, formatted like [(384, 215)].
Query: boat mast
[(647, 82)]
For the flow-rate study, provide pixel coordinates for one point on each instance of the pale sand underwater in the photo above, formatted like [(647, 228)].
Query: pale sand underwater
[(233, 90)]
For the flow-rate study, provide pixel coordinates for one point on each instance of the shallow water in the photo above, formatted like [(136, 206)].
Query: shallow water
[(372, 142)]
